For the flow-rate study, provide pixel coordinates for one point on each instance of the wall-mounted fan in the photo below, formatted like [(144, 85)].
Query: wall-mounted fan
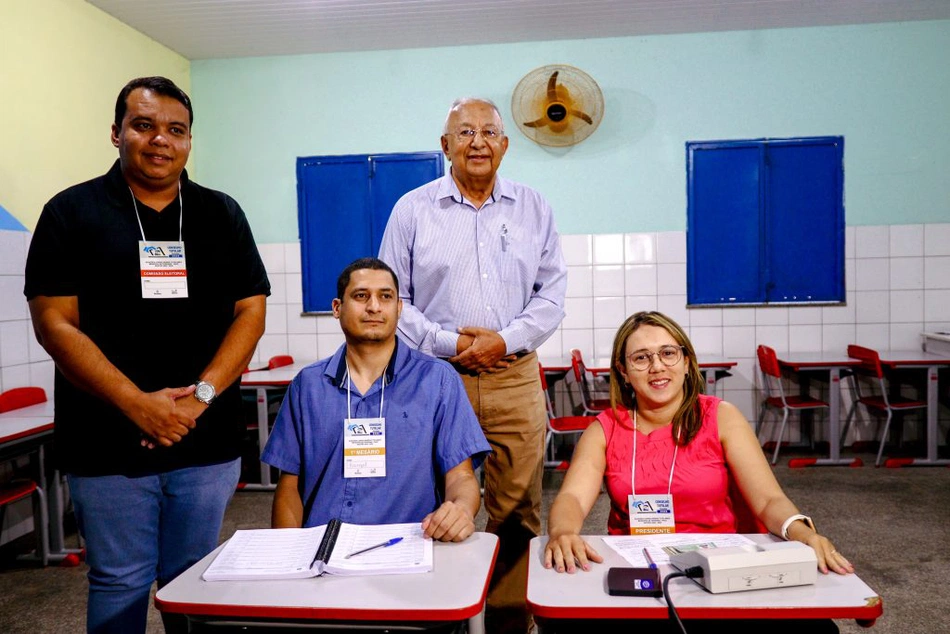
[(557, 105)]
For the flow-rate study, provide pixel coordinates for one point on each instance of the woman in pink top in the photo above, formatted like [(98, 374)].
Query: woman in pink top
[(683, 444)]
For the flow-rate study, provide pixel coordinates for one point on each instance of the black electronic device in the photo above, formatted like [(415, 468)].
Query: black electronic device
[(634, 582)]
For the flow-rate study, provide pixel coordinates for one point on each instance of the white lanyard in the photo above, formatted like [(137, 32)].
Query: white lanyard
[(382, 394), (181, 213), (633, 463)]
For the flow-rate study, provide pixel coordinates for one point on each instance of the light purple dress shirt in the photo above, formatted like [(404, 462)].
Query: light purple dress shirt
[(498, 267)]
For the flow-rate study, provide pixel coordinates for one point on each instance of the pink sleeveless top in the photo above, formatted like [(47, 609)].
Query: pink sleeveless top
[(700, 489)]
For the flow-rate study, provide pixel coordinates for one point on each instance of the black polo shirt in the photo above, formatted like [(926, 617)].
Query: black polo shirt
[(86, 245)]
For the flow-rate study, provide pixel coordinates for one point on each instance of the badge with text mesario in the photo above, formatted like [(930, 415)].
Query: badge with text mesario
[(651, 514), (364, 447)]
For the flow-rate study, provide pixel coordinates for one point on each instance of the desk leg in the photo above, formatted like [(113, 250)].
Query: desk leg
[(710, 376), (834, 430), (834, 413), (476, 624), (933, 430), (54, 505), (262, 433)]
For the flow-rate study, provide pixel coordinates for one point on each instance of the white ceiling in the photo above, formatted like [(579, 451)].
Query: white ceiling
[(202, 29)]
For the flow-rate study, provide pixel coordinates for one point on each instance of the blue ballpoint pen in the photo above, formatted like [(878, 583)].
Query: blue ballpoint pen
[(646, 554), (388, 542)]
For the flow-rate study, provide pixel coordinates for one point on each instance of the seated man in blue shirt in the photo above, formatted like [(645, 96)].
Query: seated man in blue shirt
[(376, 433)]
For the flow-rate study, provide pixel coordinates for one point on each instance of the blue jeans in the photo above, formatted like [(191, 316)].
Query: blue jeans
[(145, 528)]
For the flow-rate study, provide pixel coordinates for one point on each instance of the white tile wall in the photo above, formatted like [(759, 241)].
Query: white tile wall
[(897, 280), (23, 361), (937, 239)]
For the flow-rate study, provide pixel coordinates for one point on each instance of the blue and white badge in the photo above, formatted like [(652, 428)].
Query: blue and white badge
[(162, 269), (364, 447), (651, 514)]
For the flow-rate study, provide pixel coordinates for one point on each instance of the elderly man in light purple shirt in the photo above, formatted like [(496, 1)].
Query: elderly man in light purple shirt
[(484, 281)]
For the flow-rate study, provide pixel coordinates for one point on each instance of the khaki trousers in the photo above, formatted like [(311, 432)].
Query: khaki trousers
[(510, 408)]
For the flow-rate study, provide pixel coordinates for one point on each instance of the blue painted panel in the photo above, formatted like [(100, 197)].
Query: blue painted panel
[(334, 216), (724, 224), (344, 203), (393, 175), (765, 221), (806, 221)]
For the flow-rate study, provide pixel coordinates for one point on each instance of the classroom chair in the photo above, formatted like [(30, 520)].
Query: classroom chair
[(776, 398), (874, 395), (22, 488), (559, 425), (592, 406)]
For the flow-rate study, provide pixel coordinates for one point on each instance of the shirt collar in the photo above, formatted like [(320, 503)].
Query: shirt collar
[(448, 188), (336, 369)]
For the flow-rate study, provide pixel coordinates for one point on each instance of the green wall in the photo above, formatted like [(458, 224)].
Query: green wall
[(62, 63), (884, 87)]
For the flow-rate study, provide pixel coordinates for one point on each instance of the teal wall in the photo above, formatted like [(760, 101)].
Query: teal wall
[(884, 87)]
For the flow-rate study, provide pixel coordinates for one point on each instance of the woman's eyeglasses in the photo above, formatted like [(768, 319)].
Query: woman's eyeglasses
[(668, 356)]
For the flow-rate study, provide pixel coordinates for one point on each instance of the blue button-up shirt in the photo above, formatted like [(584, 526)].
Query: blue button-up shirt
[(498, 267), (430, 429)]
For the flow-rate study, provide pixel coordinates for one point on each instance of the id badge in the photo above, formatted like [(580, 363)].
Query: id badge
[(163, 271), (651, 514), (364, 448)]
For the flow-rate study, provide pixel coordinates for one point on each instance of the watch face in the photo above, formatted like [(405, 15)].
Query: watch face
[(204, 392)]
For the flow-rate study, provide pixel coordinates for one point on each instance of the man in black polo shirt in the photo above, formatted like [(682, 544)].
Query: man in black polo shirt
[(149, 293)]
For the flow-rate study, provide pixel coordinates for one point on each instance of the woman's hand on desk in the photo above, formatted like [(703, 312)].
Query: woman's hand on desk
[(828, 557), (565, 552)]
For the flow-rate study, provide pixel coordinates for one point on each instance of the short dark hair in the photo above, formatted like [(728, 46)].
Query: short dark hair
[(160, 85), (374, 264)]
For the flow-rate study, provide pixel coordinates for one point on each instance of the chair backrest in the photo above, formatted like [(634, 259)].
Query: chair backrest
[(18, 397), (870, 360), (771, 374), (577, 364), (280, 361), (768, 362), (580, 377)]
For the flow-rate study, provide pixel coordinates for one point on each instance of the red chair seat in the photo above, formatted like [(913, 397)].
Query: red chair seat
[(896, 402), (804, 402), (567, 424), (15, 491), (280, 361), (18, 397)]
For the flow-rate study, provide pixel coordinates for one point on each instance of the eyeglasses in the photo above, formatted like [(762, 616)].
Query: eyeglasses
[(668, 356), (469, 134)]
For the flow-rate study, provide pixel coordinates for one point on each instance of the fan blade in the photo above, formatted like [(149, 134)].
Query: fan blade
[(552, 86), (582, 115), (539, 123)]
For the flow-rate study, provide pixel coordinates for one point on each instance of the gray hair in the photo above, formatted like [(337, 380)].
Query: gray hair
[(461, 101)]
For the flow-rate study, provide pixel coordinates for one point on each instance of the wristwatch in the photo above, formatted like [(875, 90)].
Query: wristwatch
[(205, 392), (798, 516)]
